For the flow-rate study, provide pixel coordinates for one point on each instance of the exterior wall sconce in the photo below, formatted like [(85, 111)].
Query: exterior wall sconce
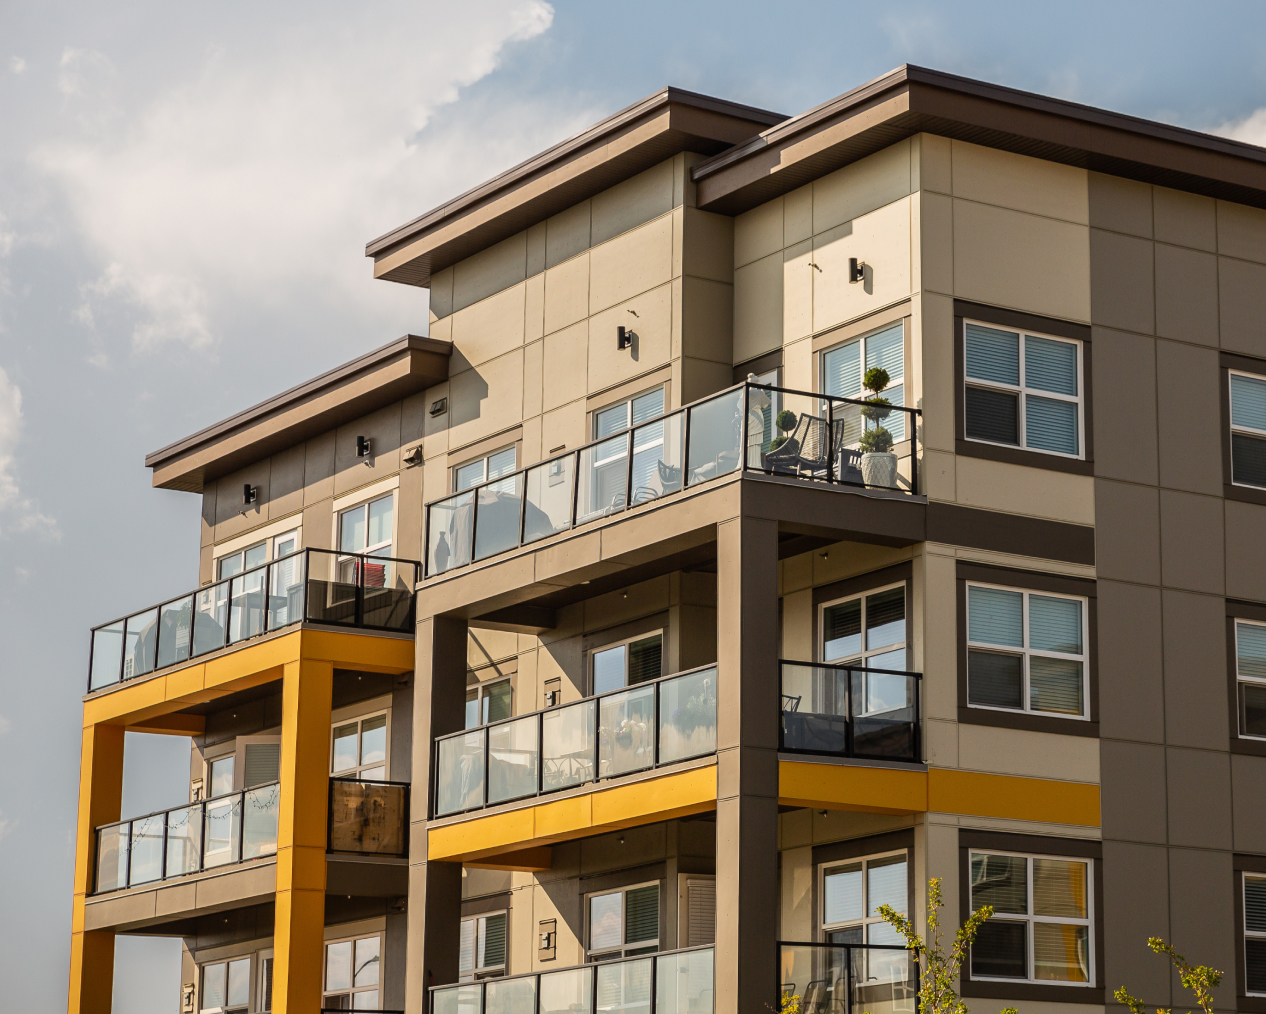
[(856, 270), (439, 407), (623, 337), (249, 493), (364, 447), (414, 457)]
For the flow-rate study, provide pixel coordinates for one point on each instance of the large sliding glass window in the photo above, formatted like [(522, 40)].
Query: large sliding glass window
[(360, 748), (844, 367), (1248, 429), (867, 630), (226, 986)]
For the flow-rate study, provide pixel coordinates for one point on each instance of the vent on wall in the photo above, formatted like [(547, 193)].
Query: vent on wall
[(701, 912), (263, 764)]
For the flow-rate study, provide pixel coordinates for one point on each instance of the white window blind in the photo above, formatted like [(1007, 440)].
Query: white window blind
[(1248, 429), (701, 907)]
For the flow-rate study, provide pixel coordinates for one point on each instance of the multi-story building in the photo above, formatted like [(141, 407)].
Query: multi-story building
[(608, 649)]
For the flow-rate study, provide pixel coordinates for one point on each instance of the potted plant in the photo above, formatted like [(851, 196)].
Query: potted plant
[(785, 421), (879, 464)]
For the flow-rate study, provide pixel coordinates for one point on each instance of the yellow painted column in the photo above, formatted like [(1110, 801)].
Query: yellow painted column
[(298, 935), (100, 797)]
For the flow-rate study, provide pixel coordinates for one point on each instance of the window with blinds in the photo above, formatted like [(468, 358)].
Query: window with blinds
[(623, 923), (263, 764), (1022, 390), (844, 366), (1248, 429), (1250, 672), (852, 892), (635, 660), (1026, 651), (701, 911), (482, 947), (1255, 934), (867, 630)]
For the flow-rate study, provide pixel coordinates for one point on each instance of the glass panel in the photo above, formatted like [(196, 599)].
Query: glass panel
[(255, 556), (886, 618), (331, 589), (603, 480), (1050, 365), (1000, 881), (1055, 685), (716, 429), (373, 740), (510, 996), (184, 840), (231, 566), (1061, 953), (993, 416), (220, 781), (285, 591), (497, 517), (842, 630), (468, 475), (260, 809), (458, 1000), (345, 743), (496, 701), (567, 745), (466, 945), (1255, 904), (1059, 888), (995, 680), (367, 818), (1055, 624), (448, 533), (883, 980), (625, 731), (625, 986), (683, 983), (147, 849), (112, 852), (380, 521), (367, 1000), (175, 623), (214, 985), (1248, 402), (1248, 460), (352, 530), (1001, 950), (138, 644), (815, 709), (512, 760), (246, 608), (1255, 965), (210, 620), (609, 669), (657, 459), (995, 616), (568, 992), (688, 716), (365, 967), (239, 992), (645, 659), (647, 406), (223, 831), (1250, 649), (388, 601), (460, 774), (107, 655), (842, 886), (886, 885), (501, 463), (762, 413), (338, 965), (1050, 425), (1253, 709), (887, 351), (611, 420), (472, 708), (606, 921), (492, 941), (549, 495), (641, 914), (993, 355), (883, 714)]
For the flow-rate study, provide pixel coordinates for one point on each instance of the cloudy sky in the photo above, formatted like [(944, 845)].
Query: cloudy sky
[(185, 194)]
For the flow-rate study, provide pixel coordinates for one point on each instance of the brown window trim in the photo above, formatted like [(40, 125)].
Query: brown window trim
[(1227, 361), (1236, 610), (1029, 581), (859, 585), (1042, 325), (1242, 864), (855, 848), (1074, 848), (761, 364)]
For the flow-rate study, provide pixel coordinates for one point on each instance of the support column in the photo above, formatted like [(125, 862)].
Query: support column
[(100, 799), (298, 935), (435, 889), (747, 765)]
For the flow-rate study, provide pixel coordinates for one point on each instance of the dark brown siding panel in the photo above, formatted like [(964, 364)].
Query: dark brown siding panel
[(955, 525)]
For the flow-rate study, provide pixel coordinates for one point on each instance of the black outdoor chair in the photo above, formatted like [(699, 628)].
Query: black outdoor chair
[(804, 452)]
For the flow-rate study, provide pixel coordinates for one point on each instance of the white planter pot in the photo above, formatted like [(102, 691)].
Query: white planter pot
[(880, 469)]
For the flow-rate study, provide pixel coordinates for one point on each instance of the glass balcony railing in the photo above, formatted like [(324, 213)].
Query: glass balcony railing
[(850, 711), (847, 978), (675, 982), (750, 427), (643, 726), (312, 585), (188, 839), (369, 818)]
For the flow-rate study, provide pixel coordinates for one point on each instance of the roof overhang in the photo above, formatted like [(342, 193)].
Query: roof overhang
[(395, 371), (912, 100), (621, 146)]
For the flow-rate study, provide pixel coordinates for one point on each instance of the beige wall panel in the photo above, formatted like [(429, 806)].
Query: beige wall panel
[(1185, 219), (940, 743), (1242, 288), (797, 215), (1241, 231), (413, 418), (1035, 185), (536, 248), (564, 427), (1123, 280), (442, 330), (486, 400), (1120, 205), (285, 481), (206, 525), (566, 293), (935, 163), (442, 293), (629, 204), (1245, 550), (797, 300), (486, 646), (936, 473), (701, 377), (796, 917), (1021, 490), (935, 237), (231, 514), (567, 234), (848, 559), (383, 430), (530, 445), (489, 271), (1022, 261), (940, 638), (631, 603), (880, 239), (707, 311), (758, 233), (533, 379), (652, 328), (861, 188), (560, 900), (679, 242), (561, 660), (797, 626), (937, 346), (795, 573), (709, 247), (408, 544), (534, 307), (1187, 294), (318, 468), (632, 263), (487, 329), (564, 365), (318, 525), (797, 365), (435, 427), (758, 307), (795, 829), (1032, 754)]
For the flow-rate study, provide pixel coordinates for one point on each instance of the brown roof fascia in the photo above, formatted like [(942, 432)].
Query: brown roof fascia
[(621, 146), (911, 100), (395, 371)]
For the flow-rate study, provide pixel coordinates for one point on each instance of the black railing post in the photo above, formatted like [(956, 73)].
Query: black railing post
[(914, 453), (685, 448), (830, 441), (849, 715), (474, 522)]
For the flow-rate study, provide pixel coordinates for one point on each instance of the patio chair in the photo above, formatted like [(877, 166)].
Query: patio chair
[(804, 452)]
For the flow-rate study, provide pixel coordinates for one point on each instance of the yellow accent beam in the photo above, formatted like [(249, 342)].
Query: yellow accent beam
[(175, 724), (610, 809)]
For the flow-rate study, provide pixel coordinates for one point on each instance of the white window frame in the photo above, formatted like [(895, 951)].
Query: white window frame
[(641, 946), (1241, 678), (866, 921), (250, 983), (861, 340), (1247, 431), (477, 971), (1023, 392), (645, 635), (270, 551), (866, 652), (1030, 956), (480, 689), (355, 772), (375, 548), (1245, 877), (483, 461), (1026, 652), (627, 404), (352, 990)]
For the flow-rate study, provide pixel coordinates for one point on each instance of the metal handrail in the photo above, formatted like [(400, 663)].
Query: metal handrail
[(849, 716), (785, 989)]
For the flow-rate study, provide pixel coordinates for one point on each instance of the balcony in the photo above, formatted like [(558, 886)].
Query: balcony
[(645, 726), (230, 829), (310, 586), (848, 978), (675, 982), (368, 818), (832, 441), (850, 711)]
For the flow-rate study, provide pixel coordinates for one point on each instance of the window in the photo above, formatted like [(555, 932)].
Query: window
[(867, 630), (633, 661), (1248, 429), (244, 559), (366, 530), (482, 949), (266, 981), (488, 702), (484, 469), (220, 776), (1250, 672), (844, 367), (226, 986), (1026, 651), (360, 749), (1255, 935), (623, 923), (625, 414), (1041, 927), (352, 970), (852, 892), (604, 467), (1023, 390)]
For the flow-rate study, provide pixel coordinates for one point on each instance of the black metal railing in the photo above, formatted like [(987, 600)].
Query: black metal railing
[(368, 817), (847, 978), (188, 839), (311, 585), (849, 711), (672, 982), (643, 726), (842, 441)]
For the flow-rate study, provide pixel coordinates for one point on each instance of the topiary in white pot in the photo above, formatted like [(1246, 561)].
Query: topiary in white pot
[(879, 464)]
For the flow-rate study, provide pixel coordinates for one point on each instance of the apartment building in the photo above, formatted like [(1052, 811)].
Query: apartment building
[(779, 513)]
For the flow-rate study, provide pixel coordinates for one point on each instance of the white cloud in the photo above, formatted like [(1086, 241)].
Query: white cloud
[(1251, 129), (5, 725), (16, 511), (17, 65)]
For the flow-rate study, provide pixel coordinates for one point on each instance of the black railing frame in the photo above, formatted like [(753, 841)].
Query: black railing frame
[(780, 944), (329, 817)]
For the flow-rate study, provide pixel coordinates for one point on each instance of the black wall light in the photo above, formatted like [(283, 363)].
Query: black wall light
[(856, 270), (363, 447), (249, 493), (623, 337)]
